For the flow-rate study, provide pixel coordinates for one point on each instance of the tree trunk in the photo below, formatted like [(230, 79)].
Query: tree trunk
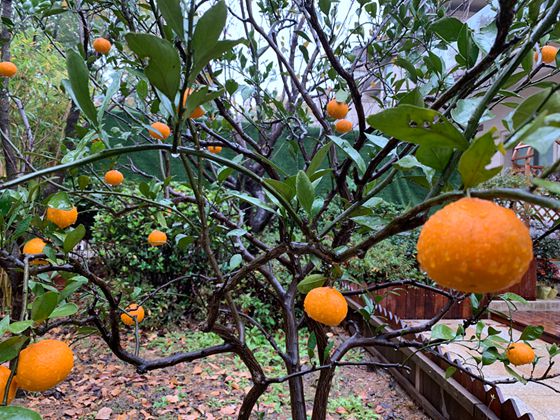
[(9, 153), (297, 394)]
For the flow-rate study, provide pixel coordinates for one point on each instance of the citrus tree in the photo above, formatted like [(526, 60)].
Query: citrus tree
[(286, 123)]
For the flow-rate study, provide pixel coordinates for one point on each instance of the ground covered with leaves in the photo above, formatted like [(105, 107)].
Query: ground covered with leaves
[(102, 387)]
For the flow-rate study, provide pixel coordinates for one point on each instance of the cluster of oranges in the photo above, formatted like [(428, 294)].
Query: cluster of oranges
[(338, 111), (41, 366)]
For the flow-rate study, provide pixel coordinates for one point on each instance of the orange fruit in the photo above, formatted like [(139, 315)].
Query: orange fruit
[(198, 112), (160, 131), (343, 126), (62, 218), (214, 149), (337, 110), (44, 364), (520, 354), (7, 69), (114, 177), (157, 238), (4, 376), (548, 53), (475, 245), (102, 45), (34, 246), (325, 305), (133, 311)]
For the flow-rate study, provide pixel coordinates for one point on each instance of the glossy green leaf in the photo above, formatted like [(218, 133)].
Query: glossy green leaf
[(210, 54), (60, 201), (417, 125), (164, 65), (318, 159), (434, 157), (73, 237), (18, 413), (531, 333), (473, 162), (9, 349), (350, 152), (173, 15), (78, 85), (43, 306), (19, 326), (305, 191), (447, 28), (311, 282), (208, 29), (442, 332), (64, 310)]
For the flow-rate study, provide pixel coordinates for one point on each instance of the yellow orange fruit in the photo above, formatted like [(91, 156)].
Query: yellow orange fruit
[(343, 126), (475, 246), (114, 177), (133, 310), (325, 305), (157, 238), (548, 53), (520, 354), (34, 246), (4, 376), (62, 218), (214, 149), (337, 110), (102, 45), (43, 365), (159, 131), (198, 111), (7, 69)]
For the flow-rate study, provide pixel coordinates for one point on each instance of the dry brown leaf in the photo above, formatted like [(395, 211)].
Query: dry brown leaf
[(104, 414)]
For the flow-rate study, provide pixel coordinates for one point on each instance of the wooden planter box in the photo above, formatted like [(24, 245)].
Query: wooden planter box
[(408, 302)]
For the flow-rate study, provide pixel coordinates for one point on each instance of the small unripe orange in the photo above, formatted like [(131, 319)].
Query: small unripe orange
[(102, 45), (337, 110), (7, 69), (114, 177), (214, 149), (157, 238), (343, 126), (160, 131), (133, 311)]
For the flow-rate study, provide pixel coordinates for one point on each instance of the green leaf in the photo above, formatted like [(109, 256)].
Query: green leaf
[(305, 191), (282, 188), (447, 28), (236, 233), (4, 324), (510, 296), (468, 51), (64, 310), (183, 241), (408, 66), (9, 349), (442, 332), (553, 187), (43, 306), (318, 159), (18, 413), (410, 162), (419, 126), (515, 374), (310, 282), (434, 157), (450, 371), (473, 162), (164, 66), (235, 261), (78, 85), (73, 237), (489, 356), (350, 152), (173, 15), (531, 333), (311, 344), (210, 54), (60, 201), (325, 6), (208, 29), (75, 284), (252, 200), (465, 108), (539, 102), (19, 326), (541, 133), (83, 182)]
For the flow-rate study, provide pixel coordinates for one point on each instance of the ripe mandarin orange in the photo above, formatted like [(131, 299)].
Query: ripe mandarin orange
[(548, 53), (34, 246), (44, 364), (337, 110), (214, 149), (102, 45), (520, 354), (198, 112), (325, 305), (62, 218), (475, 245), (4, 376), (343, 126), (160, 131), (133, 310), (157, 238), (7, 69), (114, 177)]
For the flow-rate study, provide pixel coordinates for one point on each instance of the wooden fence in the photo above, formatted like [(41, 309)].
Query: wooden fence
[(409, 302), (461, 397)]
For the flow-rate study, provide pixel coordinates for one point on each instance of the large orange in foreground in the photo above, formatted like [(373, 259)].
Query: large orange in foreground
[(43, 365), (475, 245), (325, 305)]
